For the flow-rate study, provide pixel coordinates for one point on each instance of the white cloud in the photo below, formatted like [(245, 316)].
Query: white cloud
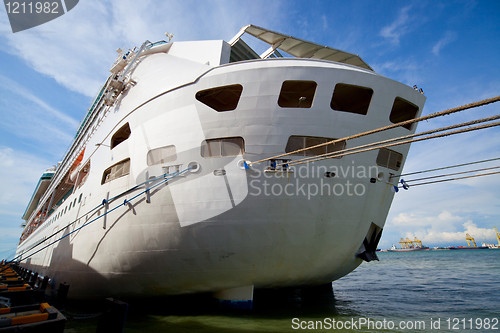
[(77, 49), (445, 228), (449, 37), (399, 27)]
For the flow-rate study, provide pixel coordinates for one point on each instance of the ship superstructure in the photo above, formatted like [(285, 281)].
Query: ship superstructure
[(156, 196)]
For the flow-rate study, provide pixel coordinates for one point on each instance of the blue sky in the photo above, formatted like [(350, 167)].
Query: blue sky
[(49, 75)]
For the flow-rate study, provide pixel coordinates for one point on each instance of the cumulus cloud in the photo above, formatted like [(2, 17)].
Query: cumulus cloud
[(446, 228)]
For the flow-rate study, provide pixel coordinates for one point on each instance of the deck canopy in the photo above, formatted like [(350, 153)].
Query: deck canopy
[(294, 46)]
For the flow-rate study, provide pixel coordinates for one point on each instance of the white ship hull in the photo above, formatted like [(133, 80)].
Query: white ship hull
[(210, 230)]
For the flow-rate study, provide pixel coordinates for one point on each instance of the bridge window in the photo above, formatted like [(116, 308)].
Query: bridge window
[(221, 99), (222, 147), (299, 142), (389, 159), (118, 170), (161, 155), (297, 94), (349, 98), (403, 110), (121, 135)]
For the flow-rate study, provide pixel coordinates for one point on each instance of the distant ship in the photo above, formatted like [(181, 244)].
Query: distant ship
[(395, 249), (409, 245), (157, 194)]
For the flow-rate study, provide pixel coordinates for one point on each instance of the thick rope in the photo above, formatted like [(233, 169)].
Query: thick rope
[(468, 123), (403, 123), (465, 130)]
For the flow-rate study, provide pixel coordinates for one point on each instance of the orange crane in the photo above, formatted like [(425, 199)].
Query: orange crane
[(470, 238)]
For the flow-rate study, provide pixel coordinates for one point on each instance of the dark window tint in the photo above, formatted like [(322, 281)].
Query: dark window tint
[(299, 142), (349, 98), (222, 147), (403, 110), (297, 94), (121, 135), (221, 98), (389, 159)]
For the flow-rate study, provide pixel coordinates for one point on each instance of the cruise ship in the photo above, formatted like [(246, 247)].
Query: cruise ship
[(183, 175)]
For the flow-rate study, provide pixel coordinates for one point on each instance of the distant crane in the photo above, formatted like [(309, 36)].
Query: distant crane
[(498, 235), (470, 238), (406, 244), (418, 243)]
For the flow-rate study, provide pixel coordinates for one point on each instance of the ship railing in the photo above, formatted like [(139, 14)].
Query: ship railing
[(95, 109), (158, 181)]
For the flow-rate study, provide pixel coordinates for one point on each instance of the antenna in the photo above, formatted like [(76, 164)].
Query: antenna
[(169, 36)]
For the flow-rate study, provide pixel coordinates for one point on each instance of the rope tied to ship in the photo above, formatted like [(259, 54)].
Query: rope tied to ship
[(166, 177), (385, 128)]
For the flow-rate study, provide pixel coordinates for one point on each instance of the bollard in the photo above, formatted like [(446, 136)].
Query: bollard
[(32, 280), (113, 320), (44, 284), (62, 294)]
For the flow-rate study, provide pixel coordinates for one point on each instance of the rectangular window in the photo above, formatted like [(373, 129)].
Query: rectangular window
[(299, 142), (389, 159), (161, 155), (403, 110), (353, 99), (222, 147), (297, 94), (118, 170)]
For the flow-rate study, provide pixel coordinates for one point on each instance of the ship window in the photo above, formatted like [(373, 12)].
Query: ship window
[(403, 110), (221, 99), (74, 202), (161, 155), (65, 209), (389, 159), (80, 198), (349, 98), (299, 142), (297, 94), (118, 170), (222, 147), (69, 208), (121, 135)]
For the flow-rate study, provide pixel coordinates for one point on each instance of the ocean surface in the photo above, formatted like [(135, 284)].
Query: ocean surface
[(428, 291)]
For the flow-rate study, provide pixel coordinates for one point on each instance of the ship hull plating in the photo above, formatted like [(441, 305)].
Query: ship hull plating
[(223, 226)]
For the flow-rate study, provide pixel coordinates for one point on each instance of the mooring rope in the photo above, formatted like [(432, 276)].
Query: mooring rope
[(87, 223), (465, 130), (450, 179), (451, 174), (403, 123), (341, 152), (447, 167)]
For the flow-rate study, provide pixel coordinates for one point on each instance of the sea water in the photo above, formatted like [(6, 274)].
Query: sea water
[(427, 291)]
